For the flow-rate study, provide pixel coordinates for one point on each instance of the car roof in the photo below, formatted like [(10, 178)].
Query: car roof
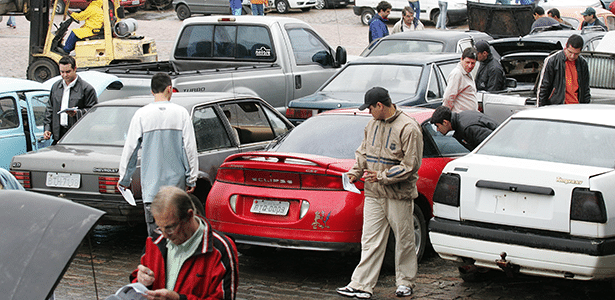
[(245, 19), (187, 100), (8, 84), (439, 35), (419, 113), (406, 58), (599, 114)]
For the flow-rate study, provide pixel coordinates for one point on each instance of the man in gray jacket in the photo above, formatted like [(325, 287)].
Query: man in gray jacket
[(471, 127), (388, 159)]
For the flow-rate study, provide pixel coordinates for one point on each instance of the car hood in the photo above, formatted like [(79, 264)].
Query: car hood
[(70, 158), (40, 235), (518, 45), (334, 100), (99, 81)]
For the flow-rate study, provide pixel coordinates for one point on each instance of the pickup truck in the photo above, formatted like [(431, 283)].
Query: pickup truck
[(277, 59)]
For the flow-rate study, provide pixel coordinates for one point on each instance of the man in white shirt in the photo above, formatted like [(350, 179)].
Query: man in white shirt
[(408, 22), (460, 93)]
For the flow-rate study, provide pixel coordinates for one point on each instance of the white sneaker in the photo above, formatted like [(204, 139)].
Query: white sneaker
[(403, 291), (350, 292)]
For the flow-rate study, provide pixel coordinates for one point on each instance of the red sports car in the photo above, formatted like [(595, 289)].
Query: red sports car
[(291, 195)]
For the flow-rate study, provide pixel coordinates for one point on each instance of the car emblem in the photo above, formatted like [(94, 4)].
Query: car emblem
[(323, 221), (105, 170)]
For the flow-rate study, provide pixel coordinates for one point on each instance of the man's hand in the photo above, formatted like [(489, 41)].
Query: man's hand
[(146, 277), (370, 176), (47, 135), (190, 189), (163, 294), (352, 178), (71, 113)]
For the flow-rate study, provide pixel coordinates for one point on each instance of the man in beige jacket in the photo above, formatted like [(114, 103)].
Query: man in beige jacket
[(388, 159)]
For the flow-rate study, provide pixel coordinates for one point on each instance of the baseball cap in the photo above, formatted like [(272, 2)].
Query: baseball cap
[(589, 11), (482, 46), (375, 95)]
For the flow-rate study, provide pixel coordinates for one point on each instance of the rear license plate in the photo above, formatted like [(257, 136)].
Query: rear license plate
[(65, 180), (278, 208), (135, 2)]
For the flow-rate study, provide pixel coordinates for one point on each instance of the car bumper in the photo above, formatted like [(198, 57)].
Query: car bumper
[(294, 244), (302, 4), (131, 3), (535, 254)]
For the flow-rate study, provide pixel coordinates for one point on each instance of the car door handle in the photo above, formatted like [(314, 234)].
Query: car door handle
[(297, 82)]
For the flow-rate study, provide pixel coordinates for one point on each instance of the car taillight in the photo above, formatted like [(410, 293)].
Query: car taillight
[(23, 178), (230, 175), (587, 206), (321, 182), (294, 113), (447, 189), (108, 185)]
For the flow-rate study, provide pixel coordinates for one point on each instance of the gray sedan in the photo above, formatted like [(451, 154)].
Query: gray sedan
[(83, 166)]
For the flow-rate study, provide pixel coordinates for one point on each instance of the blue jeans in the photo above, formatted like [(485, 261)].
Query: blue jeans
[(443, 5), (70, 42), (11, 21), (417, 9), (236, 11), (258, 9)]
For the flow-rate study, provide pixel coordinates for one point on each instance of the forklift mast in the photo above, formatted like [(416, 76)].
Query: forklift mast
[(39, 24)]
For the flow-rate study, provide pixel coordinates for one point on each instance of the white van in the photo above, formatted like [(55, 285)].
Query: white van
[(456, 11)]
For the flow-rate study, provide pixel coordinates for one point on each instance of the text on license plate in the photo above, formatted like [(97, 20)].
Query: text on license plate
[(279, 208), (65, 180)]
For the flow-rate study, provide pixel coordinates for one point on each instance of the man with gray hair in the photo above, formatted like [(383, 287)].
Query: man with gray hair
[(186, 259), (408, 22)]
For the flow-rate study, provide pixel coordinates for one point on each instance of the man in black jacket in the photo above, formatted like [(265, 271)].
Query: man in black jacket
[(490, 76), (590, 19), (564, 78), (471, 127)]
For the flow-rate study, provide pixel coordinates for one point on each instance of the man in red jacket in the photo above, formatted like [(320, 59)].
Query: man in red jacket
[(186, 259)]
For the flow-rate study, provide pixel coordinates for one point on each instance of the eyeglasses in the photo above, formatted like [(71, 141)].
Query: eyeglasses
[(170, 229)]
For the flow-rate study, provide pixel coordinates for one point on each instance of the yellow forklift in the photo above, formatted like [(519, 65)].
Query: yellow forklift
[(115, 43)]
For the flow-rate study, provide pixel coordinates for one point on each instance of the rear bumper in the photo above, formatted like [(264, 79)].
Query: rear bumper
[(536, 254), (294, 244)]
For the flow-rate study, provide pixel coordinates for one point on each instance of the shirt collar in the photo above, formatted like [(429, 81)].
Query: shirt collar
[(72, 84), (194, 240)]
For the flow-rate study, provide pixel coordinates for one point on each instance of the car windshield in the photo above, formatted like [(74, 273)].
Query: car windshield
[(406, 46), (105, 125), (554, 141), (397, 79)]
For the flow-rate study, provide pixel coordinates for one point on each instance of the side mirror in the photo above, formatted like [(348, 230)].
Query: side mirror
[(511, 83), (340, 56)]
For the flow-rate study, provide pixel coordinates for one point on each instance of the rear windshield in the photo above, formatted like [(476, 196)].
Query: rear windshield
[(106, 125), (554, 141), (406, 46)]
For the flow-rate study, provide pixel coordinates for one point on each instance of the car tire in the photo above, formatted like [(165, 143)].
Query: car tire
[(320, 4), (42, 69), (60, 7), (420, 238), (367, 15), (183, 12), (282, 6)]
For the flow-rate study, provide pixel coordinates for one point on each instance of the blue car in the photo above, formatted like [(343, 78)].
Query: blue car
[(22, 112)]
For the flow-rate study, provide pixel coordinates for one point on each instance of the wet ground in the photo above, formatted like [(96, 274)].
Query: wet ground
[(285, 274)]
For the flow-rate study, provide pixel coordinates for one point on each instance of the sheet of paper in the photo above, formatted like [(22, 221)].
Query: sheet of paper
[(127, 193), (68, 109), (349, 186)]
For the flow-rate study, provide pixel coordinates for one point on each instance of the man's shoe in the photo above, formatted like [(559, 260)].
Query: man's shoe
[(403, 291), (350, 292), (61, 51)]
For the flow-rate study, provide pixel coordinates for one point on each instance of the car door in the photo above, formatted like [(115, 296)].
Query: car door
[(12, 138), (36, 118)]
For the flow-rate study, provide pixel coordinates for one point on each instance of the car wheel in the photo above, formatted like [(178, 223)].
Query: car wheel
[(60, 7), (281, 6), (42, 69), (420, 238), (320, 4), (183, 12), (367, 15)]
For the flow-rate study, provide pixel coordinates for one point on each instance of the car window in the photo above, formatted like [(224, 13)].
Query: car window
[(209, 130), (591, 45), (225, 41), (554, 141), (8, 113), (249, 121), (397, 79), (463, 44), (610, 23), (573, 21), (447, 68), (105, 125), (447, 145), (278, 125), (433, 91), (392, 46), (39, 106), (305, 44)]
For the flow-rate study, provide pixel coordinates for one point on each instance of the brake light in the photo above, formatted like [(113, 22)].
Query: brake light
[(321, 182), (230, 175), (294, 113), (447, 189), (175, 90), (587, 206), (23, 178), (108, 185), (226, 19)]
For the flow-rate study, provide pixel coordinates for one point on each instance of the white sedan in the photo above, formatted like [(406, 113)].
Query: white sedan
[(536, 197)]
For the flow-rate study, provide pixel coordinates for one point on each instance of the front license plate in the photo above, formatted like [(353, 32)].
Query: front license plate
[(278, 208), (65, 180)]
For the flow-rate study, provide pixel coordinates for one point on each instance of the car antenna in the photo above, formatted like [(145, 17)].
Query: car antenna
[(92, 264)]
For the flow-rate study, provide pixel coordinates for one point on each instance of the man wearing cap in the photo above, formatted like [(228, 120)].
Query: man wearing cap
[(490, 76), (564, 78), (590, 19), (460, 93), (388, 160)]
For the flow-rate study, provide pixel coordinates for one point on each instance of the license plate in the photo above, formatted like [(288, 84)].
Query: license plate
[(278, 208), (135, 2), (65, 180)]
